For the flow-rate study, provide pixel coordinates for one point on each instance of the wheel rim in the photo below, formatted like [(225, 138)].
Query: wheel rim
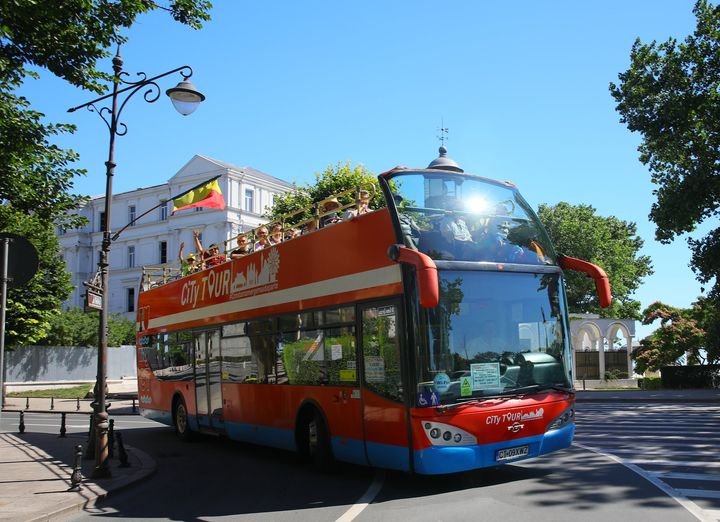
[(181, 418)]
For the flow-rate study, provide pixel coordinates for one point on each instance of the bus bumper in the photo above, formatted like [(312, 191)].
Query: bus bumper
[(443, 459)]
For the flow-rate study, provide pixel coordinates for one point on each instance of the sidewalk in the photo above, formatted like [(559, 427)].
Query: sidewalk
[(35, 468), (649, 396)]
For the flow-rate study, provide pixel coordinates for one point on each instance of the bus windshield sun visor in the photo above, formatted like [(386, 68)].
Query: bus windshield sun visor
[(602, 283), (426, 270)]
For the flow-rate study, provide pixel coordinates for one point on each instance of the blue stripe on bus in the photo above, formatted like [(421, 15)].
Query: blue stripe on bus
[(163, 417), (263, 435), (388, 456), (349, 450), (447, 459)]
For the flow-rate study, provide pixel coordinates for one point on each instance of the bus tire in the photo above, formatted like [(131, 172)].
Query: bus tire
[(181, 420), (315, 438)]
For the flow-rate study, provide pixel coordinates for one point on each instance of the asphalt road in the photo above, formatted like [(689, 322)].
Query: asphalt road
[(611, 474)]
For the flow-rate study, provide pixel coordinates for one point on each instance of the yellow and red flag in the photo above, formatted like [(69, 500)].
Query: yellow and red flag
[(207, 195)]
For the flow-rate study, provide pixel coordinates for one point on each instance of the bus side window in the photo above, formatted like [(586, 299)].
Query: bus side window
[(381, 354)]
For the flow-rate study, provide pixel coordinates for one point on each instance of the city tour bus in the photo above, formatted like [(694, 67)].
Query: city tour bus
[(430, 335)]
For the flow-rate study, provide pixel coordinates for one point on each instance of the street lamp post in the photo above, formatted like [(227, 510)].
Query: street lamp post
[(186, 99)]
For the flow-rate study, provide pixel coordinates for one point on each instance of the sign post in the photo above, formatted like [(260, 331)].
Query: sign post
[(19, 265)]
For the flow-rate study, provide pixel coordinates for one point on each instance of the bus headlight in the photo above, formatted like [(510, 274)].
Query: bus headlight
[(563, 419), (440, 434)]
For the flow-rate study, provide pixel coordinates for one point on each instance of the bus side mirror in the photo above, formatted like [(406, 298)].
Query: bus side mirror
[(426, 270), (602, 283)]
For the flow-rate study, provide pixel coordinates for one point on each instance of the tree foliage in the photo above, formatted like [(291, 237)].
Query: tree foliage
[(31, 307), (66, 38), (671, 95), (74, 327), (610, 243), (690, 332), (333, 180)]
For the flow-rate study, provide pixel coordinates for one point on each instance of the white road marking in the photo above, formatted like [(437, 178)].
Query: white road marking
[(684, 476), (689, 505), (699, 493), (365, 500)]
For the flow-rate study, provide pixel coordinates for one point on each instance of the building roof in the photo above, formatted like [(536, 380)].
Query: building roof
[(250, 170)]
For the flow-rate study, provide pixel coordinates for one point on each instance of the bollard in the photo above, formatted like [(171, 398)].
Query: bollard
[(52, 403), (27, 403), (90, 451), (63, 430), (122, 454), (21, 428), (77, 407), (76, 476), (111, 439), (134, 410)]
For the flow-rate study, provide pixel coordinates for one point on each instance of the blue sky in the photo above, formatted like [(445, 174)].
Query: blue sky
[(293, 87)]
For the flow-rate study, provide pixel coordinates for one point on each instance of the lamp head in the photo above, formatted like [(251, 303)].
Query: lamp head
[(185, 97)]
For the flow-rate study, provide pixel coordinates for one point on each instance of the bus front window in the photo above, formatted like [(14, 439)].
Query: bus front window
[(466, 218), (492, 332)]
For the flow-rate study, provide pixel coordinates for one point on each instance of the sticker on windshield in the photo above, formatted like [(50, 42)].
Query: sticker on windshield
[(425, 399), (374, 368), (465, 386), (485, 375), (441, 382)]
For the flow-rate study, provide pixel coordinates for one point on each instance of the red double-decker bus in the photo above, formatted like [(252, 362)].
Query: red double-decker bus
[(428, 336)]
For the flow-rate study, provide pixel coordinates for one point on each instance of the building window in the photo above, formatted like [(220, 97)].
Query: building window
[(130, 299), (249, 200), (198, 209), (101, 222), (163, 210), (61, 231), (131, 256), (163, 252), (131, 214)]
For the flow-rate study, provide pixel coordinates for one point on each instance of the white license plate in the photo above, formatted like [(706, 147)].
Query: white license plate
[(512, 453)]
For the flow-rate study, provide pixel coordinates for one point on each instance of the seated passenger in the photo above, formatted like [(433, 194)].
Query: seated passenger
[(263, 241), (292, 233), (363, 206), (211, 256), (277, 234), (410, 229), (328, 206), (454, 228), (189, 264), (243, 247)]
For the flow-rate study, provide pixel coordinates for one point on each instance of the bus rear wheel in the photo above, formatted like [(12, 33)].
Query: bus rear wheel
[(315, 438), (181, 421)]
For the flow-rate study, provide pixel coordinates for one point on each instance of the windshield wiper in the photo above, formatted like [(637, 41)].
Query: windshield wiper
[(535, 388)]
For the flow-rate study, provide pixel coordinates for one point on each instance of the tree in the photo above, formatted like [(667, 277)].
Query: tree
[(609, 242), (31, 307), (66, 38), (333, 180), (74, 327), (671, 95), (682, 332)]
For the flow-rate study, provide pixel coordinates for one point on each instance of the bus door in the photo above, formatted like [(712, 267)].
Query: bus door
[(384, 412), (208, 382)]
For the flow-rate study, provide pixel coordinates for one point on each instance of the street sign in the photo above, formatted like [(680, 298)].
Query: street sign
[(94, 300), (22, 260)]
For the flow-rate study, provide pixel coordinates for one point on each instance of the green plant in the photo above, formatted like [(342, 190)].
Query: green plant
[(652, 383)]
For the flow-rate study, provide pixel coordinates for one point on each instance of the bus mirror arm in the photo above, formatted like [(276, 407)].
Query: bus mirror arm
[(426, 270), (602, 283)]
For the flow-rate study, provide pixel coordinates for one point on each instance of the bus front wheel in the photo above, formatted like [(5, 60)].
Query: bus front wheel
[(315, 438), (180, 420)]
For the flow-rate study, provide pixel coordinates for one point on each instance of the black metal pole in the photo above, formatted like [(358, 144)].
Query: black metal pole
[(3, 305), (102, 469)]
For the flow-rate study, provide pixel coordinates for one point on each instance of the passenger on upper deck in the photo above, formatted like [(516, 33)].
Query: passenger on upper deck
[(277, 234), (328, 206), (263, 241), (292, 233), (363, 206), (189, 264), (243, 248), (211, 256), (410, 229)]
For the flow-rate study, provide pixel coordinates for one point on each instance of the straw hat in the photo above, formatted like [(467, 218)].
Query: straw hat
[(330, 204)]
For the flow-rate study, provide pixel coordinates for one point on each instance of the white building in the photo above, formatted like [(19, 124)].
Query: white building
[(155, 238)]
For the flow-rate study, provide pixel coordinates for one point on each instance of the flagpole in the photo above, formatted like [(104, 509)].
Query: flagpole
[(117, 234)]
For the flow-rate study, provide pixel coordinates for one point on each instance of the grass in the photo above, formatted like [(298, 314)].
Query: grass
[(59, 393)]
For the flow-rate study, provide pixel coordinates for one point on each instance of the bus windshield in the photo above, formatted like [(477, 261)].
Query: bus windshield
[(456, 217), (492, 333)]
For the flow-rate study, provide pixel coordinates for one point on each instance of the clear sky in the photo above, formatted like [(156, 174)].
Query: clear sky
[(293, 87)]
